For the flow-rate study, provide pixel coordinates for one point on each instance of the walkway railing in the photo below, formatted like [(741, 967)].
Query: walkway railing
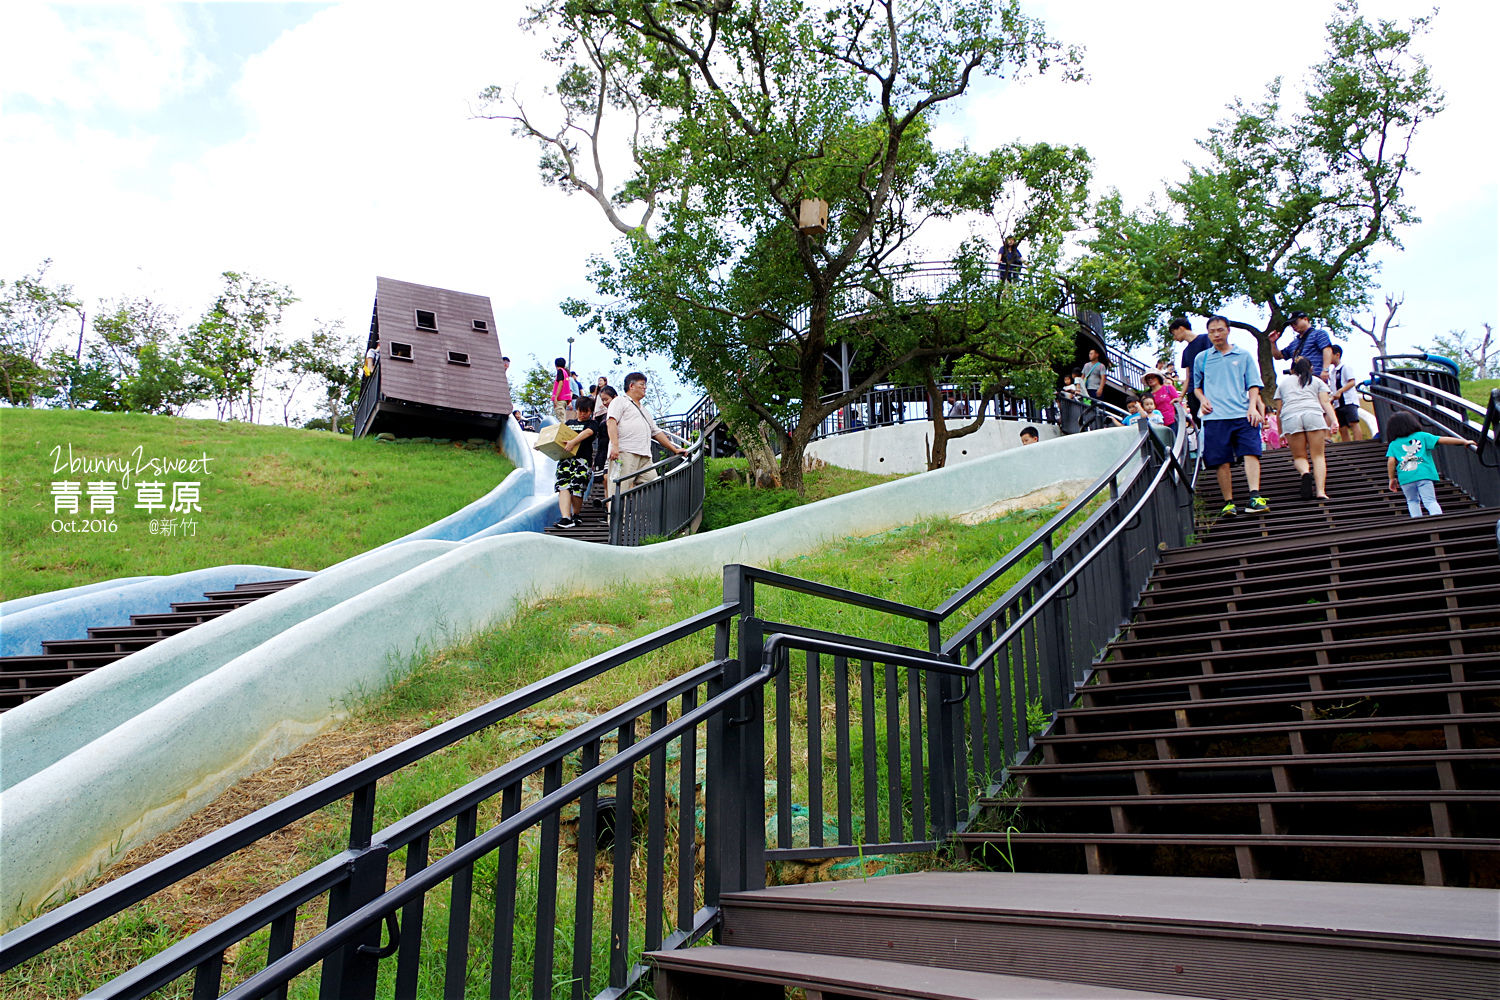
[(369, 398), (555, 871), (663, 506), (1475, 471)]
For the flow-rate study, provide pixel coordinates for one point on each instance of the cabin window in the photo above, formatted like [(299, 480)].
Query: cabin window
[(400, 352), (426, 320), (457, 358), (481, 326)]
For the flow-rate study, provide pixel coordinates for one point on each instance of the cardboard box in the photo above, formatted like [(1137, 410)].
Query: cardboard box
[(551, 439)]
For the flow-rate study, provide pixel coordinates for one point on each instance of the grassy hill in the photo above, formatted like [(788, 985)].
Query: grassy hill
[(270, 495), (1478, 392)]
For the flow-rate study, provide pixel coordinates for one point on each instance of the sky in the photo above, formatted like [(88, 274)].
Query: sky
[(146, 149)]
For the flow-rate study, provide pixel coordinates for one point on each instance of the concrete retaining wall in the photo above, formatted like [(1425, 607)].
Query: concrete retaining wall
[(903, 448)]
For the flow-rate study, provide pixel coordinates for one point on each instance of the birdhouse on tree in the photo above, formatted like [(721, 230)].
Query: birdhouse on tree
[(812, 216)]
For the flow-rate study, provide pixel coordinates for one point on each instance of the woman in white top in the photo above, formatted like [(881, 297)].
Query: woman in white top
[(1307, 422)]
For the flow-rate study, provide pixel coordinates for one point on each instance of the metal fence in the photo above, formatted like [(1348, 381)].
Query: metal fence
[(555, 872), (662, 506), (1475, 471), (369, 398)]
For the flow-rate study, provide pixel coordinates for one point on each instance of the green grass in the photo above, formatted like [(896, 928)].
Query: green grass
[(733, 502), (273, 496), (920, 564), (1479, 391)]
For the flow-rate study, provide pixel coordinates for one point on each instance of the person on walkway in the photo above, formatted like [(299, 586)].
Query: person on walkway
[(562, 389), (1166, 396), (1227, 382), (1030, 435), (1306, 413), (1313, 344), (631, 431), (1409, 462), (1181, 331), (572, 481), (1010, 260), (1093, 374), (1345, 400)]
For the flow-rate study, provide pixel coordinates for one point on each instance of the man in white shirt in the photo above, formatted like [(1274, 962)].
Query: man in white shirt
[(631, 431), (1345, 400)]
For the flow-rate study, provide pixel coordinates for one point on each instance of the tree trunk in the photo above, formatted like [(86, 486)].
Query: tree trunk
[(1267, 364), (937, 455)]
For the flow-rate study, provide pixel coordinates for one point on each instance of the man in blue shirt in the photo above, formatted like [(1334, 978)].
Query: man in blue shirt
[(1314, 345), (1227, 382)]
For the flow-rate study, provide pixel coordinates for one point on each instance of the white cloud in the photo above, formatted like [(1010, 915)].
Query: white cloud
[(85, 59)]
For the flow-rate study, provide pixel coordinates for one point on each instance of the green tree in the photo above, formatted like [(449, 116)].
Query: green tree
[(334, 360), (1476, 356), (733, 116), (237, 342), (536, 388), (30, 313), (1290, 204), (135, 362)]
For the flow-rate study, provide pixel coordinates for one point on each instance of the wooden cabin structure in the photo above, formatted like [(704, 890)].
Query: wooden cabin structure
[(437, 368)]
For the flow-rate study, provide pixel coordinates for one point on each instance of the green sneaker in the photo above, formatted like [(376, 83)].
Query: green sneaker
[(1229, 510), (1258, 505)]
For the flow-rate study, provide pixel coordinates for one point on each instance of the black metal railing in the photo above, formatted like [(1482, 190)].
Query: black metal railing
[(369, 398), (662, 506), (503, 882), (1124, 369), (1476, 471), (1429, 369)]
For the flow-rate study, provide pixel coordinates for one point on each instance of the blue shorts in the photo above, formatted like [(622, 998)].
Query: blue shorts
[(1227, 440)]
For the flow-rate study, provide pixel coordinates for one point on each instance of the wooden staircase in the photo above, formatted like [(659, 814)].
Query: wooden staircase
[(593, 520), (25, 677), (1302, 715)]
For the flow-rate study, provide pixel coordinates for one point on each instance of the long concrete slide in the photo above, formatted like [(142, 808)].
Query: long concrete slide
[(131, 774), (39, 733)]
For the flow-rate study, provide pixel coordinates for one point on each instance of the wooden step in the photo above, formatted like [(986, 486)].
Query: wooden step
[(1219, 938), (1302, 736), (1457, 698), (1437, 770), (1382, 812), (1244, 673), (1271, 638), (1482, 643), (1188, 604), (720, 971), (1376, 609), (1456, 862)]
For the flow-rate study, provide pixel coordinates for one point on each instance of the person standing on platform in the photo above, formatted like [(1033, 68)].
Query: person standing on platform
[(1010, 260)]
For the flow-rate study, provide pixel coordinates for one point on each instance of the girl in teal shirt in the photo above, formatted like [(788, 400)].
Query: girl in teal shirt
[(1409, 462)]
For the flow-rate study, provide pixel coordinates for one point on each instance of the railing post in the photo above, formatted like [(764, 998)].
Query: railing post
[(350, 972), (735, 824)]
